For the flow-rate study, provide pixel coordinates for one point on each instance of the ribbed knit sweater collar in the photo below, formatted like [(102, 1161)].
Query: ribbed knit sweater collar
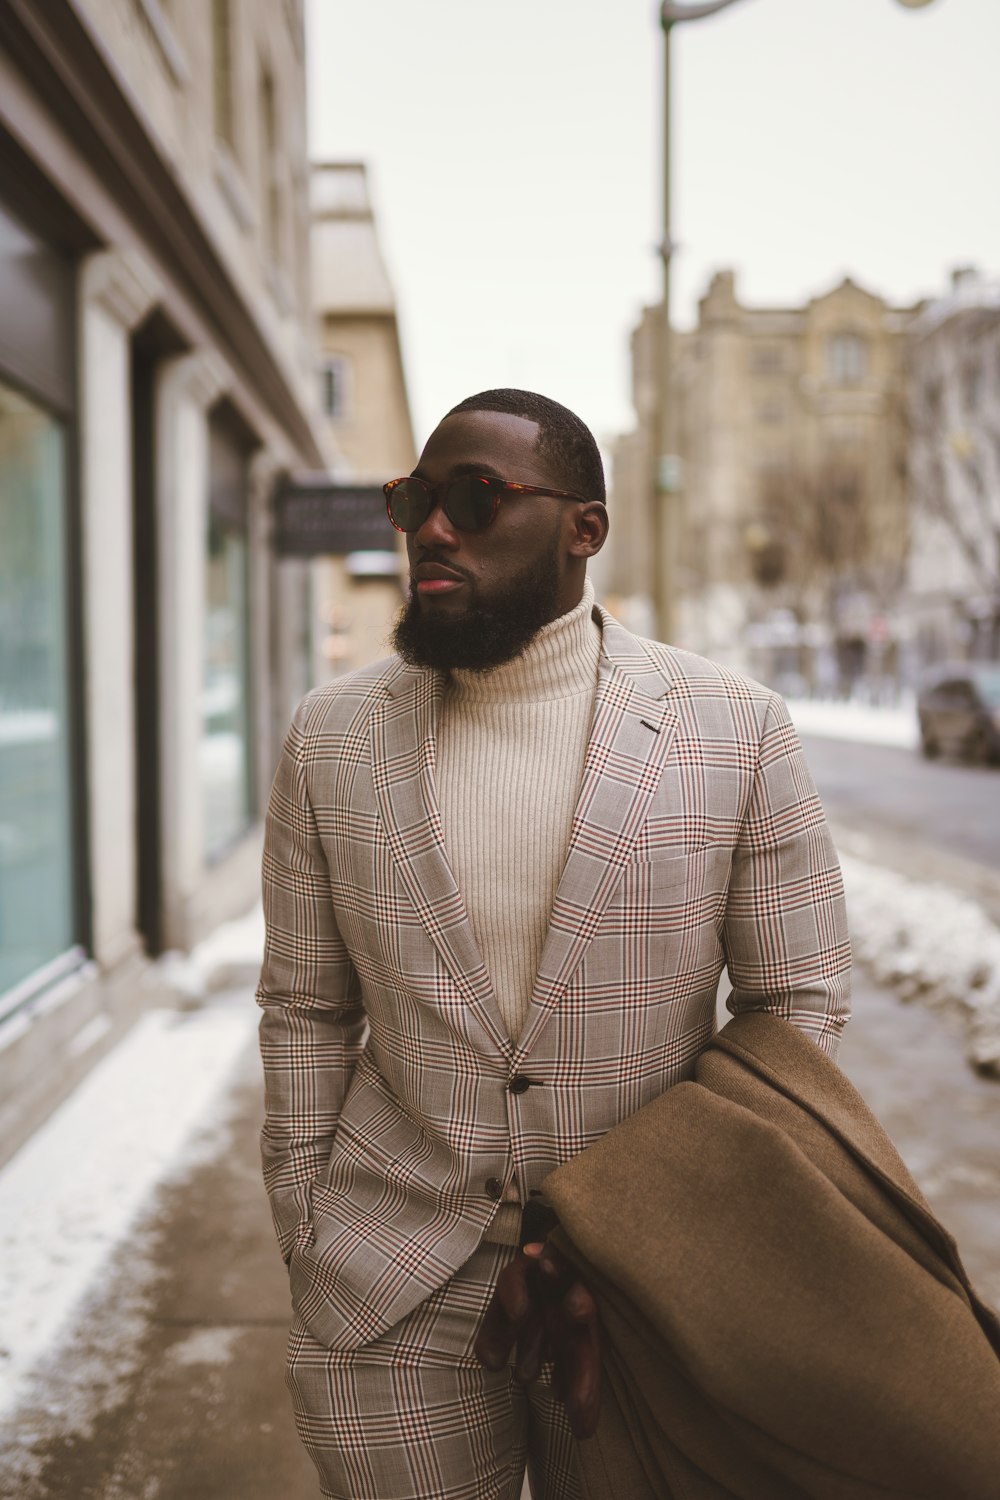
[(560, 662)]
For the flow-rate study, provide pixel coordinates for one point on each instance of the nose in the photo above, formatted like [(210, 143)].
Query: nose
[(435, 532)]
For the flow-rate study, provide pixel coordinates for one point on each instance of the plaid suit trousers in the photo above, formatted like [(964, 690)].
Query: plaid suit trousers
[(414, 1416)]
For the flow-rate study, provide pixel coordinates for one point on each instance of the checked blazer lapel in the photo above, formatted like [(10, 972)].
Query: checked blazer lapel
[(402, 730), (629, 742)]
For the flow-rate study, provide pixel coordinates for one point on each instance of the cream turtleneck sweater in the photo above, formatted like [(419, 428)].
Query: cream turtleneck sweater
[(510, 751)]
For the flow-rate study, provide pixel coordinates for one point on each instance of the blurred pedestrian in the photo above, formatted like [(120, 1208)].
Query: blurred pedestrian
[(503, 871)]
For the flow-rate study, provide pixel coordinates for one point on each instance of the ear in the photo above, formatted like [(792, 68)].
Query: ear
[(589, 531)]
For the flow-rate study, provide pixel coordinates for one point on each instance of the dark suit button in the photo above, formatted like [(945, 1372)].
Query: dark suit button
[(519, 1085), (494, 1189)]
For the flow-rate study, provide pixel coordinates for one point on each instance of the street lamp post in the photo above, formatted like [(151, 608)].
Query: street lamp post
[(666, 475)]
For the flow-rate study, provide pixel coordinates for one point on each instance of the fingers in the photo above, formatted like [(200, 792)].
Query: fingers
[(507, 1309), (541, 1306), (514, 1289), (574, 1337), (559, 1274), (495, 1338), (579, 1305), (532, 1346), (577, 1373), (514, 1315)]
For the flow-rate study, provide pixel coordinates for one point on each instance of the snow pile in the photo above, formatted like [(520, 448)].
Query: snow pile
[(854, 720), (929, 944), (75, 1189), (230, 955)]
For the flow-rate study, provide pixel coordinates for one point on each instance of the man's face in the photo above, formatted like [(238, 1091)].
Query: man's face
[(478, 598)]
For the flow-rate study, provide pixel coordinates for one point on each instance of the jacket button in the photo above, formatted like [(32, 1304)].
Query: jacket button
[(494, 1189), (519, 1085)]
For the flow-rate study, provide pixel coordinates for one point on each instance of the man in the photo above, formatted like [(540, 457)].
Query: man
[(503, 871)]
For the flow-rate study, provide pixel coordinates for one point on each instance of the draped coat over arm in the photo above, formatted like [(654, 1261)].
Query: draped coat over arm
[(785, 1319)]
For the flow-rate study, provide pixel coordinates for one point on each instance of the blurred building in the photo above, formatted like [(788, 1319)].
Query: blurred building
[(954, 473), (364, 403), (627, 559), (787, 518), (157, 371)]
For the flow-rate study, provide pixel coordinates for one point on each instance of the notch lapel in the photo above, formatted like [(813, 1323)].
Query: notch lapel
[(402, 730), (630, 740)]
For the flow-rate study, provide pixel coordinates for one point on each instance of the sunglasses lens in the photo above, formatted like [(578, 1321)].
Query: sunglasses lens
[(410, 503), (469, 502)]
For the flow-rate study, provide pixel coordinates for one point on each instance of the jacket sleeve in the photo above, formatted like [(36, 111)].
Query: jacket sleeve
[(313, 1025), (785, 936)]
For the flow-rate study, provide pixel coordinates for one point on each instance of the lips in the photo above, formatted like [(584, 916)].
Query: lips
[(435, 578)]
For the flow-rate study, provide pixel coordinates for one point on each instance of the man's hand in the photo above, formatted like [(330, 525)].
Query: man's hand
[(541, 1306)]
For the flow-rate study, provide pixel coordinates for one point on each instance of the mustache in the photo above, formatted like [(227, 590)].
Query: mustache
[(443, 560)]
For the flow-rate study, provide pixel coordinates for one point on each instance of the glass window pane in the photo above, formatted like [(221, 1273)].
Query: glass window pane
[(225, 758), (847, 356), (36, 832)]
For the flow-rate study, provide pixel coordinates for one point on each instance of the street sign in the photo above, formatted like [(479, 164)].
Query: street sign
[(317, 517)]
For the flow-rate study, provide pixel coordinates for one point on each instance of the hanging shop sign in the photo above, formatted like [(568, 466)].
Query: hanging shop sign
[(318, 517)]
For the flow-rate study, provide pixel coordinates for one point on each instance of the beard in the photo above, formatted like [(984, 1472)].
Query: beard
[(489, 632)]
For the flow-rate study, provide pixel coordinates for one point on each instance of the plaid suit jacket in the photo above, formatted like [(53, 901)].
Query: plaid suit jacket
[(698, 840)]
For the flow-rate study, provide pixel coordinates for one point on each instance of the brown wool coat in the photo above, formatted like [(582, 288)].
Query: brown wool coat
[(784, 1317)]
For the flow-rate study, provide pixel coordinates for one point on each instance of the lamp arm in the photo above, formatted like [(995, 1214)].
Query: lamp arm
[(671, 12)]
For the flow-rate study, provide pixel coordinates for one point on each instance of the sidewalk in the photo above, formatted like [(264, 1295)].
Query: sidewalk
[(165, 1381)]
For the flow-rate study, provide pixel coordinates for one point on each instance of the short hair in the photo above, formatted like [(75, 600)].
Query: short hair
[(563, 439)]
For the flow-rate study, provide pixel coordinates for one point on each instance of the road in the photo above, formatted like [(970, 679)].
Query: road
[(952, 807), (931, 821)]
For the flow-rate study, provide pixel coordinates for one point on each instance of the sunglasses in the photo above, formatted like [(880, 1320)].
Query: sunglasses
[(469, 501)]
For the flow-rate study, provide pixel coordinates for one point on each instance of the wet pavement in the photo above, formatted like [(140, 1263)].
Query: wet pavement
[(169, 1386)]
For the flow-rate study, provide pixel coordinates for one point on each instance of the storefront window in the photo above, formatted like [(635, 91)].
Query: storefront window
[(36, 833), (225, 745)]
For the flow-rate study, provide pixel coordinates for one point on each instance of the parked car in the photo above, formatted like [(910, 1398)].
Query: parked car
[(959, 711)]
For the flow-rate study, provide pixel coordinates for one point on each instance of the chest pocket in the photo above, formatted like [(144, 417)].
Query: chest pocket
[(672, 894)]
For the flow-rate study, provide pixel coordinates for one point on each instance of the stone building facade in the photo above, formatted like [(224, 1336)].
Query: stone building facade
[(365, 405), (157, 372), (953, 577), (787, 522)]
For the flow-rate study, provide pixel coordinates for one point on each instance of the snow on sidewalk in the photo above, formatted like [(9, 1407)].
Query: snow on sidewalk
[(857, 721), (75, 1189), (924, 940), (931, 944)]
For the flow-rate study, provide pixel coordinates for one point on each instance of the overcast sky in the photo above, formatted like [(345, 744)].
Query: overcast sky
[(514, 151)]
